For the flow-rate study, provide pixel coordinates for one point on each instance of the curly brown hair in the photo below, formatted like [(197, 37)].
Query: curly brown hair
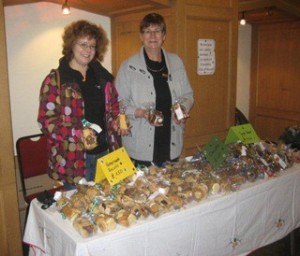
[(83, 28)]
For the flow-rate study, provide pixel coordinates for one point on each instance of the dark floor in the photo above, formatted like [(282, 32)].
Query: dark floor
[(281, 247)]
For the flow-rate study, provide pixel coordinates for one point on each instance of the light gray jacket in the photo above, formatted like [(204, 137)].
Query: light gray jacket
[(136, 90)]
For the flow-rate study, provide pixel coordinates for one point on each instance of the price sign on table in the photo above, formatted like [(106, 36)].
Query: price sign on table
[(115, 167), (243, 133), (215, 151)]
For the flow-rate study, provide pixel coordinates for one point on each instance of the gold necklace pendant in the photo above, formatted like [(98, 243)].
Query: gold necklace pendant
[(156, 70)]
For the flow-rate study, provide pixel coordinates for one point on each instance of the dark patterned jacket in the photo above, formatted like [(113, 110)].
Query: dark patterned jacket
[(60, 115)]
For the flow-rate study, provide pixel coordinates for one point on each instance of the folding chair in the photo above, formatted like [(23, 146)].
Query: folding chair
[(33, 166)]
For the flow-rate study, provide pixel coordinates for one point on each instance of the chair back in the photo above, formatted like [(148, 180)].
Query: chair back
[(33, 165)]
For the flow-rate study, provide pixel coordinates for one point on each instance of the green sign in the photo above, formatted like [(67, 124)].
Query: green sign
[(243, 133), (215, 151)]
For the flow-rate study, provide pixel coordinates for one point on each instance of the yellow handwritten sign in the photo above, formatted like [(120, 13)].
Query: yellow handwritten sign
[(115, 167)]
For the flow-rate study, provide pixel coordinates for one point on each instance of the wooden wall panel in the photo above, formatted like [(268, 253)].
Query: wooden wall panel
[(212, 3), (10, 232), (275, 78), (279, 68), (267, 127), (126, 39)]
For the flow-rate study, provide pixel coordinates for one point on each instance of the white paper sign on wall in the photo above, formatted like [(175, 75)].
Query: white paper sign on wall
[(206, 57)]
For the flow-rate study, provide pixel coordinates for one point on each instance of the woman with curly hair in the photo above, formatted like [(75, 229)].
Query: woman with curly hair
[(76, 96)]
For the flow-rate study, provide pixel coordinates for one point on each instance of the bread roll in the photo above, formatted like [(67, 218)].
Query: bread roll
[(70, 213), (84, 227), (105, 222)]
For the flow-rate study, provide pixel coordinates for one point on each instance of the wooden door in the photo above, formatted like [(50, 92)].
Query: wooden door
[(10, 231), (275, 77), (215, 94)]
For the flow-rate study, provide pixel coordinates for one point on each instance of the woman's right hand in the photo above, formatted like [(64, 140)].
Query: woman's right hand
[(144, 113), (141, 113)]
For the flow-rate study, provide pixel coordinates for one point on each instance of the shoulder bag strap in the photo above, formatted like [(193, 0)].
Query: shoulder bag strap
[(57, 77)]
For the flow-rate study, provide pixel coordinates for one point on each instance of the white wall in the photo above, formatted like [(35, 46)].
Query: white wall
[(243, 69), (34, 44)]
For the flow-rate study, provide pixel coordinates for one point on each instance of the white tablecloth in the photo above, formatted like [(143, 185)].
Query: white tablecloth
[(234, 224)]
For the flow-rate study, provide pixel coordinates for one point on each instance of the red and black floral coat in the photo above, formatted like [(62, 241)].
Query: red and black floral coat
[(60, 115)]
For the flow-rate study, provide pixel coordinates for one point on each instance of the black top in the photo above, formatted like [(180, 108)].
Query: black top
[(92, 90), (159, 72)]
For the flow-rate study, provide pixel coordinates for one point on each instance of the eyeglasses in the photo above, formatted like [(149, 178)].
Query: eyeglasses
[(149, 32), (85, 46)]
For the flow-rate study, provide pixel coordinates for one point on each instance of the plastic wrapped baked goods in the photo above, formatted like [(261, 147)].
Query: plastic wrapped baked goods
[(105, 187), (154, 208), (199, 191), (123, 122), (89, 138), (179, 110), (139, 211), (141, 183), (236, 182), (186, 195), (105, 222), (126, 201), (176, 201), (125, 218), (80, 201), (109, 207), (155, 191), (62, 202), (156, 117), (92, 192), (84, 226), (70, 213)]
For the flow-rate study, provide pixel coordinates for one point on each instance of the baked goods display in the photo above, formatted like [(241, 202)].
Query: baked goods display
[(154, 191)]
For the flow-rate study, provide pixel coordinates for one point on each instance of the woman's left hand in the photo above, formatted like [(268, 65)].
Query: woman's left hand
[(182, 121)]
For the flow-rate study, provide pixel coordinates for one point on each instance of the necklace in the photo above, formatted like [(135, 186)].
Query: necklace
[(156, 70)]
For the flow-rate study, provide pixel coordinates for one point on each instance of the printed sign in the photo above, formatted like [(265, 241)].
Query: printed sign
[(243, 133), (215, 151), (115, 167), (206, 57)]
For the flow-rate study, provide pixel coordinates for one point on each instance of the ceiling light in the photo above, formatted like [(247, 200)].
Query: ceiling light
[(65, 9), (243, 20)]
